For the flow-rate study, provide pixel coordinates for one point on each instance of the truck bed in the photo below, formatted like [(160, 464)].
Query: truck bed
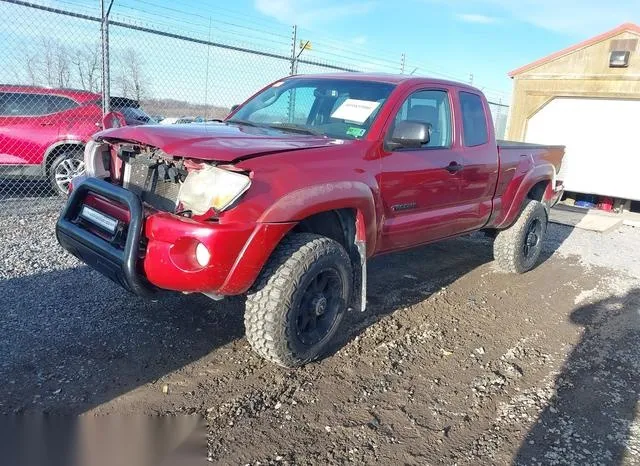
[(511, 153)]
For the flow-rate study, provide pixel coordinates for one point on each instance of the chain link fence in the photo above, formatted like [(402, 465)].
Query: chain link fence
[(161, 66)]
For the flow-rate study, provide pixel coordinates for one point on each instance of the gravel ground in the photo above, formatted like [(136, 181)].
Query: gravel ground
[(453, 362), (616, 249)]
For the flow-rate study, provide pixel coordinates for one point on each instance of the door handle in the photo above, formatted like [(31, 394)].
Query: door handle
[(454, 167)]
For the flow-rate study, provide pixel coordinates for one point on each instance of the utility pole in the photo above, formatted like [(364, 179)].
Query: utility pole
[(471, 79), (294, 40), (402, 63), (294, 68), (106, 79), (292, 71), (206, 77)]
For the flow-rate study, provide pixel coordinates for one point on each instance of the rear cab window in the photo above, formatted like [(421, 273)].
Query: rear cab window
[(474, 119)]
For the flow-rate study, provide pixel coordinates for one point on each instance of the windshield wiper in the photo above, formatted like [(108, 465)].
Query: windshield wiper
[(281, 126), (295, 129), (246, 123)]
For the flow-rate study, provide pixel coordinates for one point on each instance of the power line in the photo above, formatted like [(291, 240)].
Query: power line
[(200, 27), (178, 22), (212, 16)]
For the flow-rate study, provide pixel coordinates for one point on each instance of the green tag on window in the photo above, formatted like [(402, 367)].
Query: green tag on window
[(355, 132)]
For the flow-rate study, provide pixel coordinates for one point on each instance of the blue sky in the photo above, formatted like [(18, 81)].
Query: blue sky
[(455, 38), (485, 37)]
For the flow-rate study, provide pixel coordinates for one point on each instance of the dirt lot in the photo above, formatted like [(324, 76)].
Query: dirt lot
[(453, 362)]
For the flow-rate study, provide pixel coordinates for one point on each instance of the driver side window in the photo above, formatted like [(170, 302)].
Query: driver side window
[(431, 107)]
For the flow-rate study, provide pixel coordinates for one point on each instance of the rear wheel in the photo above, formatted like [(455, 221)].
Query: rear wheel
[(65, 166), (518, 248), (299, 300)]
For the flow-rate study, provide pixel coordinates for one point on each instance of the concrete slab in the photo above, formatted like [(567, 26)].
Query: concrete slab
[(631, 223), (585, 219), (631, 219)]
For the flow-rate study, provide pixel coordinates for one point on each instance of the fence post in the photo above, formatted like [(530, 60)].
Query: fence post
[(294, 37), (106, 78)]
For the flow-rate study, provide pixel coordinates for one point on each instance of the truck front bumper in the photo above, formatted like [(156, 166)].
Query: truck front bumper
[(158, 250)]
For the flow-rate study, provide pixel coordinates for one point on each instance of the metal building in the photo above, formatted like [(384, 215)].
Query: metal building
[(586, 97)]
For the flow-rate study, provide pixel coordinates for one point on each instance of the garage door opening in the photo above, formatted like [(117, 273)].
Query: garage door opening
[(602, 143)]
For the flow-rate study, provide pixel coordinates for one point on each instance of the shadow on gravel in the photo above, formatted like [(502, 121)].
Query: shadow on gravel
[(556, 235), (591, 419), (403, 279), (71, 340)]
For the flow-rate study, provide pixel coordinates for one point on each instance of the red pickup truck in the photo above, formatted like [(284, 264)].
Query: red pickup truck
[(287, 198)]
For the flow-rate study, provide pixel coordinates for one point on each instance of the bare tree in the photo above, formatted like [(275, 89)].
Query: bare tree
[(32, 66), (62, 66), (54, 64), (131, 80), (87, 63), (50, 64)]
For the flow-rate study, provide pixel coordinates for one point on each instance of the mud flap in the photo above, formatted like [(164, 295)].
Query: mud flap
[(360, 278)]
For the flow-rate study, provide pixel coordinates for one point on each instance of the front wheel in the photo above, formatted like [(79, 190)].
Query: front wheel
[(299, 299), (518, 248), (63, 169)]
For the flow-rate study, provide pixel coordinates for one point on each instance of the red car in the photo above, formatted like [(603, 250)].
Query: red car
[(43, 131), (287, 198)]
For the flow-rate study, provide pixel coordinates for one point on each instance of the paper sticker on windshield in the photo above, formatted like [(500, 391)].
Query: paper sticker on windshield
[(355, 132), (355, 110)]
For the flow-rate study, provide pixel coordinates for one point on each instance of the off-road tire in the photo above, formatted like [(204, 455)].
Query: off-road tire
[(509, 245), (271, 313), (77, 155)]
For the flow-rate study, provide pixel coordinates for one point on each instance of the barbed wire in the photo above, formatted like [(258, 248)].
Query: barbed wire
[(164, 63)]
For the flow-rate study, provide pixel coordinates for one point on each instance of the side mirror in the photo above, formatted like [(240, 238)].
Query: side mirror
[(410, 134), (113, 120), (234, 107)]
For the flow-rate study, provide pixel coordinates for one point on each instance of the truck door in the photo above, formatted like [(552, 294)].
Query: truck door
[(421, 187), (480, 161)]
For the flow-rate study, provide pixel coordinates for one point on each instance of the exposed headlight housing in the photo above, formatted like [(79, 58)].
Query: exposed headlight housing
[(94, 163), (212, 188)]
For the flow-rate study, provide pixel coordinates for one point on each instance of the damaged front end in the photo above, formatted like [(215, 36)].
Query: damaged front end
[(165, 182), (148, 220)]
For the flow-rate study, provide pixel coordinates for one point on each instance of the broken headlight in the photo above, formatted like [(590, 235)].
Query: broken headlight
[(212, 188)]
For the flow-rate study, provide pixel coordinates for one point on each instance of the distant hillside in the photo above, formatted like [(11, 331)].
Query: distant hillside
[(180, 108)]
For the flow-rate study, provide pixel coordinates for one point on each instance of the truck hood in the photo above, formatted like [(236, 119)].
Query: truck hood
[(217, 141)]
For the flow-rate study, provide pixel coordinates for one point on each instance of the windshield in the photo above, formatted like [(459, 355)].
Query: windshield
[(337, 108)]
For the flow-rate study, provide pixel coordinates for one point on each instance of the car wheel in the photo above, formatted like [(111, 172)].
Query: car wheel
[(518, 248), (63, 169), (299, 299)]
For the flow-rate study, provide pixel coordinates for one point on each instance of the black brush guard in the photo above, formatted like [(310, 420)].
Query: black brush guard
[(120, 265)]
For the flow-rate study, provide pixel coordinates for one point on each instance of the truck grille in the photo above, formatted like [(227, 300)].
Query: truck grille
[(141, 177)]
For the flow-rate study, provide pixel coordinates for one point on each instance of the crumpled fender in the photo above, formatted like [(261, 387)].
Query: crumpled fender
[(304, 202), (512, 204)]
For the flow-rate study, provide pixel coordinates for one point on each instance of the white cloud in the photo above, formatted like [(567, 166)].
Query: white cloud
[(309, 12), (474, 18), (572, 17), (359, 40), (575, 17)]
